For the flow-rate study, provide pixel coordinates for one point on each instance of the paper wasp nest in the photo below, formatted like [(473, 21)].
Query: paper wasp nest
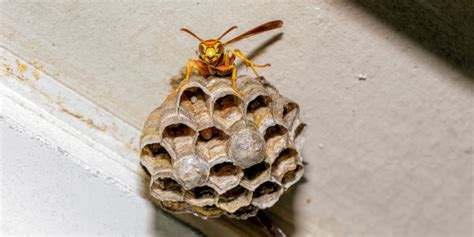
[(212, 152)]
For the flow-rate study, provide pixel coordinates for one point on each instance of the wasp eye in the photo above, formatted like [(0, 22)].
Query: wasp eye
[(201, 49), (220, 48)]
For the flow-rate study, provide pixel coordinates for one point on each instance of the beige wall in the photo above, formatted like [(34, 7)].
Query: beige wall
[(388, 155)]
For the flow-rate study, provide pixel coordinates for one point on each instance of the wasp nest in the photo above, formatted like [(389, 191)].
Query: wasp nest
[(213, 152)]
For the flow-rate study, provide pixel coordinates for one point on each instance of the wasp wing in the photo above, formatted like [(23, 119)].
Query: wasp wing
[(257, 30)]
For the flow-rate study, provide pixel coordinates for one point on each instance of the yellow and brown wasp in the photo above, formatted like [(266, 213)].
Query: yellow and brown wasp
[(214, 60)]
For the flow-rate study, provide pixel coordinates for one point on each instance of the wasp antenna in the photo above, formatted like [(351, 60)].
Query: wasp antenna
[(225, 33), (192, 34)]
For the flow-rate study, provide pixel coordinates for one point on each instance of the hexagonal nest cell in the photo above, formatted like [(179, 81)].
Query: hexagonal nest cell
[(266, 194), (292, 176), (178, 136), (234, 199), (201, 196), (290, 112), (275, 131), (259, 112), (286, 161), (194, 99), (255, 175), (175, 206), (258, 103), (212, 145), (165, 188), (225, 176), (213, 152), (276, 137), (244, 212), (178, 130), (227, 110), (156, 158)]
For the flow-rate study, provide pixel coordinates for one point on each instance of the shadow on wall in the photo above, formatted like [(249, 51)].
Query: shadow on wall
[(287, 204), (260, 49), (443, 27)]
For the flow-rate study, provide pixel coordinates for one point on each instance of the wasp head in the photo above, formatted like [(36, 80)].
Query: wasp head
[(211, 51)]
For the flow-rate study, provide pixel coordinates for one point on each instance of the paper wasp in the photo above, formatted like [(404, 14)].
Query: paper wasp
[(214, 60)]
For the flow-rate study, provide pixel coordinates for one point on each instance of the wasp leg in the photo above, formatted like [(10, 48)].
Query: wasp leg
[(188, 74), (248, 62), (233, 78), (189, 69)]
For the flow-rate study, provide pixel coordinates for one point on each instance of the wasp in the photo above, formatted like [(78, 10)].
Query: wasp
[(215, 60)]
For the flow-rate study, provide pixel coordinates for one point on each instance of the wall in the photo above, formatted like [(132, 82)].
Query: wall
[(389, 142), (44, 193)]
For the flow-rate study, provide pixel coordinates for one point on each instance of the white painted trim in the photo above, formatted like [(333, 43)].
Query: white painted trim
[(93, 137)]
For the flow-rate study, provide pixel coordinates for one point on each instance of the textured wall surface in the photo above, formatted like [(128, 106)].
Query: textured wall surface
[(389, 144)]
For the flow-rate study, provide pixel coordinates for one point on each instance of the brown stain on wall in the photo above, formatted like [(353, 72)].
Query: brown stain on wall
[(8, 69), (80, 117), (23, 68)]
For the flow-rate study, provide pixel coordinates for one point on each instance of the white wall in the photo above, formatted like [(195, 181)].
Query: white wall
[(45, 193)]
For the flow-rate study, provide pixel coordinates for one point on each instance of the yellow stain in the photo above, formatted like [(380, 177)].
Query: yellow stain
[(36, 74), (36, 64), (21, 67)]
